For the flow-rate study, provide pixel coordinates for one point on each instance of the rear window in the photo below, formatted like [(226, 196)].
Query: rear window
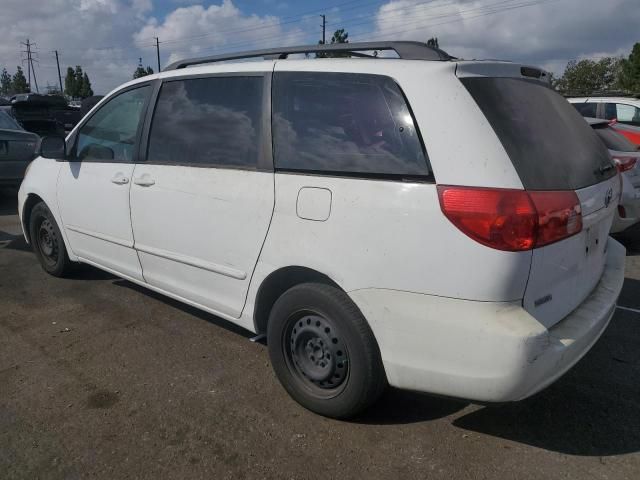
[(614, 140), (343, 123), (549, 143)]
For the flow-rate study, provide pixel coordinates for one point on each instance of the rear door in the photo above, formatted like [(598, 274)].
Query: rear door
[(202, 202), (553, 149)]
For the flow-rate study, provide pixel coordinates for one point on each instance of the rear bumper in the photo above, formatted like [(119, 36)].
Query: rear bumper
[(484, 351)]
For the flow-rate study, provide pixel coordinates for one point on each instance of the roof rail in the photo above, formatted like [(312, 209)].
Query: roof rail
[(405, 50), (612, 93)]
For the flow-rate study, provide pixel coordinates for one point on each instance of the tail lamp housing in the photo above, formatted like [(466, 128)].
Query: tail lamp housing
[(511, 220)]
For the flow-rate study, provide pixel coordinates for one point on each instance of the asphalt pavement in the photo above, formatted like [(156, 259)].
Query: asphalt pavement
[(100, 378)]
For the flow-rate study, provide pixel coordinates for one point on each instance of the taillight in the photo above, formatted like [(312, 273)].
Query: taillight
[(511, 220), (624, 163)]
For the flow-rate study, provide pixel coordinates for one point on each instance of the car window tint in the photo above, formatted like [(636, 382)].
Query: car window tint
[(586, 109), (110, 134), (344, 123), (214, 121), (8, 123), (548, 142), (623, 113)]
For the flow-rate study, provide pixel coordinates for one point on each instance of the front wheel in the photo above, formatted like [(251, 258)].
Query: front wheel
[(47, 241), (323, 351)]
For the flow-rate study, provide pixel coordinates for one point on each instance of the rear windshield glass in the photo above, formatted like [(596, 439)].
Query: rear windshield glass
[(549, 143), (614, 140)]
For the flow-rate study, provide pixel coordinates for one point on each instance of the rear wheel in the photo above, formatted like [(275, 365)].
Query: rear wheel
[(324, 352), (47, 241)]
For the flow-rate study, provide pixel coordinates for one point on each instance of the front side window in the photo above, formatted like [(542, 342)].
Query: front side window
[(110, 134), (623, 113), (208, 121), (344, 124)]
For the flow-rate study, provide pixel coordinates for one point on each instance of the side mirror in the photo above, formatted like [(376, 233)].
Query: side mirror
[(53, 147)]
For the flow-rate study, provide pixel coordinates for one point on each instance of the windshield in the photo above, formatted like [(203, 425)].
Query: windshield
[(549, 143), (8, 123)]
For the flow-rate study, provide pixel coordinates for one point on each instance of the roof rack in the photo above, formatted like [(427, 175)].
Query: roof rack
[(612, 93), (405, 50)]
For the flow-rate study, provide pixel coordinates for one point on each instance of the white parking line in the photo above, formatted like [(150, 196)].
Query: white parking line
[(635, 310)]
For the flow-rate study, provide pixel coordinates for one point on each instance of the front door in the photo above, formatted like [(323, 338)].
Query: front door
[(202, 202), (93, 186)]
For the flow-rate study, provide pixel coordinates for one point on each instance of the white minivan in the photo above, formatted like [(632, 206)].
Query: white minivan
[(419, 221)]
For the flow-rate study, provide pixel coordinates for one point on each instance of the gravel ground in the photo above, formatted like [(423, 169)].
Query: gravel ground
[(100, 378)]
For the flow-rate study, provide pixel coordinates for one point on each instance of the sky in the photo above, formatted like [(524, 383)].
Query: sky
[(108, 37)]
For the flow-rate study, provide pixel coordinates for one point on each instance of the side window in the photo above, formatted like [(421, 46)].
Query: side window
[(623, 113), (586, 109), (344, 123), (210, 121), (110, 134)]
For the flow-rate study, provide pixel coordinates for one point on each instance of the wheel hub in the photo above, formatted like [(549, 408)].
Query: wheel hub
[(318, 353), (47, 240)]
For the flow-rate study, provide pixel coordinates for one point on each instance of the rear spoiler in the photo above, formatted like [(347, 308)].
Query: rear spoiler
[(494, 68)]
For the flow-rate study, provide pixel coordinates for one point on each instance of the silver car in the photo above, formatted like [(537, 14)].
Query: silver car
[(627, 158)]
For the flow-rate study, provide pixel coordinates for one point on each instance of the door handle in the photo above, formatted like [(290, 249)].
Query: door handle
[(120, 179), (144, 181)]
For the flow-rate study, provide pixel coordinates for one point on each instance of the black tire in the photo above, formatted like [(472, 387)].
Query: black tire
[(47, 242), (324, 352)]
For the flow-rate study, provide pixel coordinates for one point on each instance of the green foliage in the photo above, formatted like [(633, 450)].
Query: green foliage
[(85, 88), (19, 82), (77, 83), (70, 84), (587, 76), (5, 82), (630, 78), (141, 71)]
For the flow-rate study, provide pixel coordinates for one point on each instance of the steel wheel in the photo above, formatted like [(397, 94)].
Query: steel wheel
[(48, 242), (316, 354)]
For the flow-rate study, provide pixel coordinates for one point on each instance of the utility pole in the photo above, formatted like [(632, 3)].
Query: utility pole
[(29, 53), (324, 23), (158, 52), (59, 76), (34, 77)]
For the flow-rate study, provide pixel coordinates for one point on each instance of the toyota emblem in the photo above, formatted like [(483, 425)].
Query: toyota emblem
[(608, 197)]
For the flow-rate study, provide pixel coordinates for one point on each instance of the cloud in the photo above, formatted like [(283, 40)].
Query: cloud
[(93, 33), (198, 30), (548, 33)]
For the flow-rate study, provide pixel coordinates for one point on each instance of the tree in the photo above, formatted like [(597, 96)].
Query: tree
[(587, 76), (433, 42), (630, 78), (70, 83), (19, 82), (141, 71), (5, 82), (85, 88)]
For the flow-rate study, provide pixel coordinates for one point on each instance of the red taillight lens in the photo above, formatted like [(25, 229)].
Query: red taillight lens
[(624, 163), (512, 220)]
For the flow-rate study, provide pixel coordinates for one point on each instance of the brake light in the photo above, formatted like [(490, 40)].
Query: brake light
[(511, 220), (624, 163)]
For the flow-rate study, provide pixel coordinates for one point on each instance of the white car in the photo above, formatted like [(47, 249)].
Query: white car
[(626, 156), (329, 204)]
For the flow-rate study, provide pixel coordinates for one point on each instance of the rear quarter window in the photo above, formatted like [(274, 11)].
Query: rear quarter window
[(547, 140), (338, 123)]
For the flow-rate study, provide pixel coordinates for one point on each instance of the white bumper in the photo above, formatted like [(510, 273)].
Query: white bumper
[(484, 351)]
